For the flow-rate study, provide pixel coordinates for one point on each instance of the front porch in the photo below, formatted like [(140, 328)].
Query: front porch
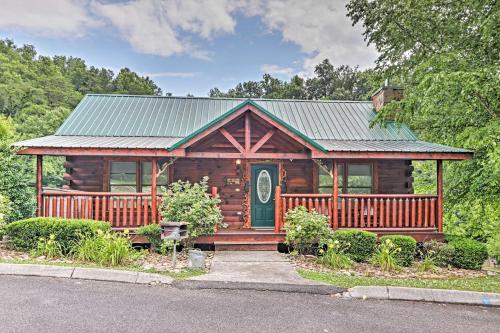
[(419, 215)]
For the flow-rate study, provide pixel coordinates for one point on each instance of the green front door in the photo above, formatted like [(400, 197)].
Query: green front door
[(264, 180)]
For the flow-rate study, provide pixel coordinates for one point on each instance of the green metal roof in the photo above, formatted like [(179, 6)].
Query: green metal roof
[(142, 120)]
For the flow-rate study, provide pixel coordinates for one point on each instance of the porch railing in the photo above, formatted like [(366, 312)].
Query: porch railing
[(122, 210), (390, 212)]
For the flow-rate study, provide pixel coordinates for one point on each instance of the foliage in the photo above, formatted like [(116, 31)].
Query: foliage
[(24, 234), (493, 246), (153, 233), (428, 264), (407, 245), (104, 248), (5, 209), (483, 283), (469, 253), (451, 93), (48, 247), (334, 256), (305, 229), (442, 254), (360, 245), (190, 202), (166, 246), (386, 256), (337, 83), (36, 95)]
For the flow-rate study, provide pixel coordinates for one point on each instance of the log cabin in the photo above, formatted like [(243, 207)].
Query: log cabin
[(262, 156)]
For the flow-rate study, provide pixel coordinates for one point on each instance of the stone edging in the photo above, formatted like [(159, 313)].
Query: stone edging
[(424, 294), (97, 274)]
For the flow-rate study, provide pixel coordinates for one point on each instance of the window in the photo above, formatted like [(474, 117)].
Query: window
[(123, 177), (161, 180), (358, 175), (325, 182), (359, 178)]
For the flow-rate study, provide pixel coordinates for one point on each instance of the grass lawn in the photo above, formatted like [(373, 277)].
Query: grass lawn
[(485, 283), (182, 275)]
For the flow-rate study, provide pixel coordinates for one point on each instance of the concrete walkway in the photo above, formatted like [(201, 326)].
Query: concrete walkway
[(253, 267)]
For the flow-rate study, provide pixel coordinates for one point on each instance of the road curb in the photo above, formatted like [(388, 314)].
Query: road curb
[(424, 295), (320, 289), (84, 273)]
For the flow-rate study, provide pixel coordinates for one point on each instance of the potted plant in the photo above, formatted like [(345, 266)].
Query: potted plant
[(191, 203)]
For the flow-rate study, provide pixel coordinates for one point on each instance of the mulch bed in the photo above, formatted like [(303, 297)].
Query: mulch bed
[(309, 262), (149, 261)]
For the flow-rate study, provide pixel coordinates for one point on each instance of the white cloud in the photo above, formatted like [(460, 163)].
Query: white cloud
[(50, 18), (156, 27), (320, 28), (168, 27), (171, 74), (277, 70)]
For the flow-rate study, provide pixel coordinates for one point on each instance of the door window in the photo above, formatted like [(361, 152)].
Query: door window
[(264, 186)]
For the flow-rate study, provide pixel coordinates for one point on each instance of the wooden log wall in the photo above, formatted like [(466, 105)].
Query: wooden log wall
[(84, 173), (395, 177)]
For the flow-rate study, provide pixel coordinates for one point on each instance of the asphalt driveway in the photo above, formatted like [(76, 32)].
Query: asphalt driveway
[(30, 304)]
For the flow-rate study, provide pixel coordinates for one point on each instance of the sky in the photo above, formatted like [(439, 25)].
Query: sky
[(190, 46)]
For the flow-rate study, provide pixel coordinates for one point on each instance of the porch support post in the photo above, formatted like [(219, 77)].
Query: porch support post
[(154, 211), (277, 209), (335, 214), (439, 172), (39, 173), (214, 195)]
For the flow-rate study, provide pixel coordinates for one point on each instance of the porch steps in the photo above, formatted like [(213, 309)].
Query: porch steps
[(243, 236), (245, 246)]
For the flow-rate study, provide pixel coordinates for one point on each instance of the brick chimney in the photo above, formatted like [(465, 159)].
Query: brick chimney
[(385, 94)]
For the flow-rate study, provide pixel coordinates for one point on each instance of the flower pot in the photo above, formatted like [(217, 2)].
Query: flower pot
[(196, 259)]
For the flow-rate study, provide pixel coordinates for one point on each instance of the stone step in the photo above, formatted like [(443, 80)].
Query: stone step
[(246, 246)]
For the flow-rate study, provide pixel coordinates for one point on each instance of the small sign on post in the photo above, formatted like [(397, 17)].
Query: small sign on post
[(174, 231)]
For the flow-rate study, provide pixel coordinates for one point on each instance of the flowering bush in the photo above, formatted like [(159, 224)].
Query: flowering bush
[(305, 229), (334, 256), (190, 202), (386, 256)]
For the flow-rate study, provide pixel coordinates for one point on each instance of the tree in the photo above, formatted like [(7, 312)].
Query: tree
[(446, 55), (128, 82)]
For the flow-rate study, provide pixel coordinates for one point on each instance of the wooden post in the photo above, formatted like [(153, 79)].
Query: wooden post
[(439, 171), (248, 142), (153, 190), (277, 206), (335, 195), (39, 189), (214, 194)]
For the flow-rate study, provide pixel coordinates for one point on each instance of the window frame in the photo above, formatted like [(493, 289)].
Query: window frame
[(345, 181)]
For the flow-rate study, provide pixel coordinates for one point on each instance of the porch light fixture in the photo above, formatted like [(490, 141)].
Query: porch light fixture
[(238, 162)]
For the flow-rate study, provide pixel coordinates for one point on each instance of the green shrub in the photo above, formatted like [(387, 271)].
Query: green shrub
[(360, 245), (408, 246), (493, 246), (305, 230), (104, 248), (190, 202), (25, 234), (442, 254), (469, 253), (386, 256), (153, 233), (5, 208), (334, 257), (48, 247)]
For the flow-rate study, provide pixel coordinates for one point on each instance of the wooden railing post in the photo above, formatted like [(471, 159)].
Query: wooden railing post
[(153, 190), (277, 206), (334, 213), (214, 194), (39, 188), (439, 171)]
